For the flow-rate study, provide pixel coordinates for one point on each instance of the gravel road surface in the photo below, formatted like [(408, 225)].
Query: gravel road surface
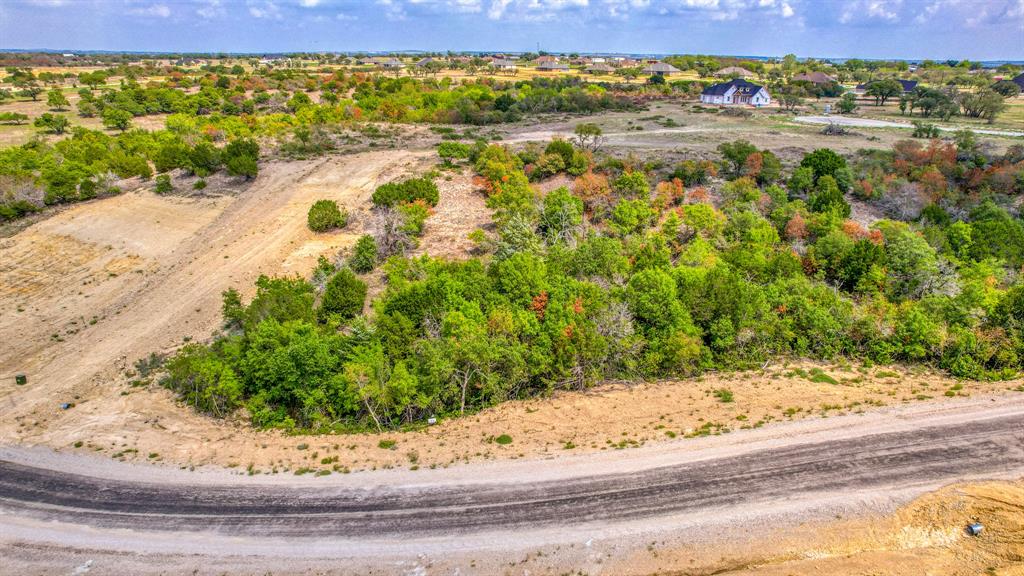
[(927, 448), (871, 123)]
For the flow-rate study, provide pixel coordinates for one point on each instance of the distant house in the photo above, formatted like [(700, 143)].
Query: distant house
[(423, 62), (503, 64), (736, 92), (600, 69), (729, 71), (1019, 81), (546, 58), (390, 63), (660, 69), (553, 67), (814, 78)]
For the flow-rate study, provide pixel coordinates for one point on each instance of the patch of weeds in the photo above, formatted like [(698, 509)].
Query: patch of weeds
[(886, 374), (724, 395), (503, 440), (387, 444), (819, 376), (670, 433), (568, 446)]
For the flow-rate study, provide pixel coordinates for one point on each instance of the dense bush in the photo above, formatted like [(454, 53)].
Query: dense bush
[(364, 255), (325, 215), (406, 191)]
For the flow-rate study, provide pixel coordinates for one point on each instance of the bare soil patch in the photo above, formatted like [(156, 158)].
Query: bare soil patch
[(925, 537)]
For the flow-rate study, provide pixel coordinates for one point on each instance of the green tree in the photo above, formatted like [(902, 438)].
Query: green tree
[(240, 157), (52, 123), (364, 255), (343, 297), (847, 104), (116, 119), (827, 197), (883, 90), (56, 100)]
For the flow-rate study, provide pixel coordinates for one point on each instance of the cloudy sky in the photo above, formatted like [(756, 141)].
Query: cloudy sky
[(974, 29)]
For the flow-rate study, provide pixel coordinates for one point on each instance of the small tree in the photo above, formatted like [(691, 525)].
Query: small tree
[(588, 136), (364, 256), (240, 157), (883, 90), (325, 215), (116, 119), (56, 100), (52, 123), (847, 104), (343, 297)]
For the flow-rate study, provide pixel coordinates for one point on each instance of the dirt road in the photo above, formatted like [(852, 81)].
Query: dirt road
[(871, 123), (71, 501)]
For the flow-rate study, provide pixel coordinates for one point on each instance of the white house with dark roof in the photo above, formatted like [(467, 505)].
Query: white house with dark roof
[(736, 91)]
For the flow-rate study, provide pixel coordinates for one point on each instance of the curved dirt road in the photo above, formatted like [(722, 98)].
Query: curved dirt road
[(500, 506), (872, 123)]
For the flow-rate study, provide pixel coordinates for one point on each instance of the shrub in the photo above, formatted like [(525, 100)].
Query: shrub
[(452, 151), (163, 184), (325, 215), (633, 184), (240, 157), (562, 148), (394, 193), (825, 162), (203, 381), (724, 395), (364, 256), (414, 215), (343, 297), (547, 165)]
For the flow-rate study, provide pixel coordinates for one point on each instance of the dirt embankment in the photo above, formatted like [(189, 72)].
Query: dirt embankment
[(926, 537)]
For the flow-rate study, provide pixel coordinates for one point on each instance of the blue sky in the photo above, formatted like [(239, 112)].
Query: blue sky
[(974, 29)]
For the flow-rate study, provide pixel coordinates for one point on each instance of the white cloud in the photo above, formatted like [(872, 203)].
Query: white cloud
[(497, 9), (392, 10), (153, 10), (212, 9), (345, 17), (309, 3), (266, 9), (884, 10)]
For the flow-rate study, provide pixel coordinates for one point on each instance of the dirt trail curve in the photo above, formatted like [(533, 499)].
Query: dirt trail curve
[(872, 123), (138, 273), (69, 500)]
